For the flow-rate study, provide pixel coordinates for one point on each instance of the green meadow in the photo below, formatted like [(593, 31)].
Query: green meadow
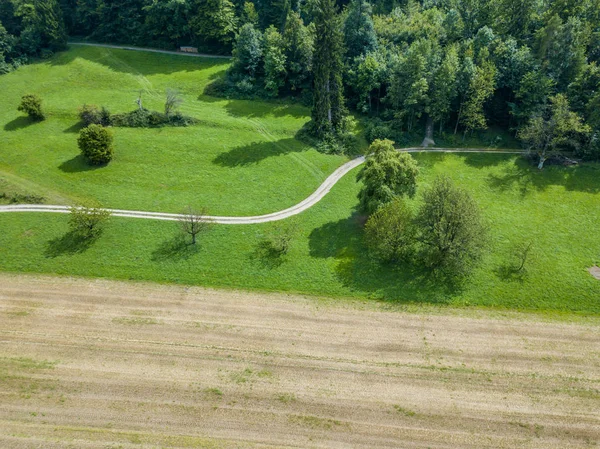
[(243, 159)]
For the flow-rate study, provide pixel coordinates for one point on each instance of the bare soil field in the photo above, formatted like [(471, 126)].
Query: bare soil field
[(107, 365)]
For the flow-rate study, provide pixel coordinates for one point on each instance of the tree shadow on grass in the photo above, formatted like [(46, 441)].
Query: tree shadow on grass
[(255, 152), (75, 128), (174, 249), (78, 164), (136, 62), (267, 256), (69, 244), (510, 273), (406, 282), (483, 160), (19, 123), (525, 176), (253, 109)]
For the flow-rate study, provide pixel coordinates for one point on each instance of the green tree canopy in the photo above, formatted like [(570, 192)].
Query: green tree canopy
[(386, 175), (450, 230)]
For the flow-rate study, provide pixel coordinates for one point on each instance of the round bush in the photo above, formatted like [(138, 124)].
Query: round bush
[(32, 106), (95, 143)]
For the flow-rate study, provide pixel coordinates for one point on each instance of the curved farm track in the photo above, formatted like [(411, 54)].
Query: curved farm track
[(99, 364), (309, 202)]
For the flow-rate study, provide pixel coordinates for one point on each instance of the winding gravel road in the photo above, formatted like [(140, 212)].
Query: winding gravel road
[(309, 202)]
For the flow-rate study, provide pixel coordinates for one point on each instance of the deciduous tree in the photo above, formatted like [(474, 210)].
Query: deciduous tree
[(451, 232), (386, 175)]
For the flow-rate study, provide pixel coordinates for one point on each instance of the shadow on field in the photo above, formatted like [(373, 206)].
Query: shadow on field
[(253, 109), (525, 177), (342, 240), (135, 62), (483, 160), (174, 249), (19, 123), (255, 152), (77, 164), (75, 128), (69, 244), (267, 256)]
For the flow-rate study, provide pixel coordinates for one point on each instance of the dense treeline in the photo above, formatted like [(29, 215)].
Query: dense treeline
[(447, 66), (433, 66), (29, 28)]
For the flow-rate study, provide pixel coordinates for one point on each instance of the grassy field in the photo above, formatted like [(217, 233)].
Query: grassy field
[(556, 209), (242, 159)]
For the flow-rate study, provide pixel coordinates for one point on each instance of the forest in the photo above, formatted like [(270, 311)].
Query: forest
[(435, 67)]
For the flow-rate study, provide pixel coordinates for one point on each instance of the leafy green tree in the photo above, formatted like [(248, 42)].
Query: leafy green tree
[(274, 58), (583, 89), (451, 232), (249, 14), (409, 86), (359, 32), (369, 76), (463, 83), (247, 52), (558, 130), (215, 21), (273, 12), (50, 25), (298, 45), (532, 96), (561, 49), (443, 89), (512, 63), (480, 90), (32, 105), (515, 17), (328, 111), (95, 143), (167, 22), (453, 25), (119, 21), (386, 175), (87, 222), (390, 232), (7, 42)]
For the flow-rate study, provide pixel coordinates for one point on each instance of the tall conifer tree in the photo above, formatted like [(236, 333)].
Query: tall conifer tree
[(328, 100)]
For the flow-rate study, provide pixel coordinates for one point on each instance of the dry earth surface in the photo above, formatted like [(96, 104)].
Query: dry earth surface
[(100, 364)]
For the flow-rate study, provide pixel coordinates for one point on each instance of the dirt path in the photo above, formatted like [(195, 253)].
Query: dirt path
[(309, 202), (152, 50), (101, 364)]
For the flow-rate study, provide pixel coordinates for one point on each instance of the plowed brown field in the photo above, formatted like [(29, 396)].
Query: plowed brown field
[(107, 365)]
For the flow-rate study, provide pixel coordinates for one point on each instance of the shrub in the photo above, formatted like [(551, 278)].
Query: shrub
[(95, 143), (376, 129), (143, 118), (390, 233), (91, 115), (32, 106), (450, 229)]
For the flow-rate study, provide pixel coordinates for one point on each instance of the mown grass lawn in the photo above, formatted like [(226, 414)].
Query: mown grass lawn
[(557, 209), (242, 159)]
